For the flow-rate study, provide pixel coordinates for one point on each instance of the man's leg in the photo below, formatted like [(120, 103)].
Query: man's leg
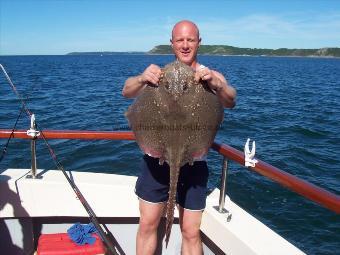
[(190, 222), (150, 215)]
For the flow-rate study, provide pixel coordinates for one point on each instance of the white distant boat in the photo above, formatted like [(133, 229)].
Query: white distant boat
[(48, 204)]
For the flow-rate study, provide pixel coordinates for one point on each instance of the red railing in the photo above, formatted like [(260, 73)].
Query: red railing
[(304, 188)]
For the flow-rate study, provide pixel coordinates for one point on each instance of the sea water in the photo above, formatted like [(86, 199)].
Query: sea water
[(289, 106)]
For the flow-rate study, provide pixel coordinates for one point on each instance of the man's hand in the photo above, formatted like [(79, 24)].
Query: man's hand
[(212, 78), (134, 85), (216, 81), (150, 75)]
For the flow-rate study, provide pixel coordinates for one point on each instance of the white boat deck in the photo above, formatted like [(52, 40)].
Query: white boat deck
[(113, 196)]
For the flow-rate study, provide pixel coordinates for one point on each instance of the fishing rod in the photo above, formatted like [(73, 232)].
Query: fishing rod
[(90, 212), (4, 150), (87, 207)]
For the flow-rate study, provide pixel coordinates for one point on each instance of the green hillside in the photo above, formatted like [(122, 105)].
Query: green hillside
[(230, 50)]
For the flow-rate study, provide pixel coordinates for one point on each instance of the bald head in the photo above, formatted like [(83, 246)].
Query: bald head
[(185, 25), (185, 42)]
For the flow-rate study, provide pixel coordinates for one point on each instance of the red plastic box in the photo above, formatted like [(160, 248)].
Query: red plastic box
[(61, 244)]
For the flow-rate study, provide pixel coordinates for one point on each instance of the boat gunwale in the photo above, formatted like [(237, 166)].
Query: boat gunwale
[(308, 190)]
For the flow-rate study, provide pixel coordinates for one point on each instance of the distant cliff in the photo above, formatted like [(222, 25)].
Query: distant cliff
[(230, 50)]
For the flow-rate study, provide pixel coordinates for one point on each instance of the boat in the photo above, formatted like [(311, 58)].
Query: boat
[(41, 201), (36, 202)]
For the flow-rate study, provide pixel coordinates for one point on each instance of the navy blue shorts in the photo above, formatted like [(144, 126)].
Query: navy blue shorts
[(153, 183)]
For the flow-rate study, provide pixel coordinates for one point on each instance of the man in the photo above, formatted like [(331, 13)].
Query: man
[(185, 43)]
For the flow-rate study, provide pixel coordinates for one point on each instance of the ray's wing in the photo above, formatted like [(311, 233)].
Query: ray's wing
[(146, 121), (205, 114)]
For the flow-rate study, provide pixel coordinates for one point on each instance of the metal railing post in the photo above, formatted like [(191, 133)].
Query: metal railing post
[(33, 158), (223, 184)]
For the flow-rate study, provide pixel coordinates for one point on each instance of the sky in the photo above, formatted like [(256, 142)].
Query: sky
[(53, 27)]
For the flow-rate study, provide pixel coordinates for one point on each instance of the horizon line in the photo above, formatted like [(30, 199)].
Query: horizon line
[(144, 52)]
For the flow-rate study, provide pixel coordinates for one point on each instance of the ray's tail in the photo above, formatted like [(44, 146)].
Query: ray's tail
[(174, 173)]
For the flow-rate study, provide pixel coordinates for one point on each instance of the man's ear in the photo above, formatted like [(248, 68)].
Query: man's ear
[(199, 42), (171, 44)]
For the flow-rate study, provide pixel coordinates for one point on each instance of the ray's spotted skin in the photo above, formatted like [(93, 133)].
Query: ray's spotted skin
[(176, 122)]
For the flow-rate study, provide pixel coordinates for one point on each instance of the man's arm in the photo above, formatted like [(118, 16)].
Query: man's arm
[(216, 81), (134, 85), (225, 92)]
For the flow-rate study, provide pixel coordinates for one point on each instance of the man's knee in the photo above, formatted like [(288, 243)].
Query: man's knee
[(148, 224), (150, 215), (190, 232), (190, 224)]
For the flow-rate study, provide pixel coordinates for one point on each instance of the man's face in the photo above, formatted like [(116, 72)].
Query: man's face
[(185, 43)]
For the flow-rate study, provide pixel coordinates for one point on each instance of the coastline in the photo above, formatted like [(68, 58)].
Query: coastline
[(168, 54), (255, 56), (171, 54)]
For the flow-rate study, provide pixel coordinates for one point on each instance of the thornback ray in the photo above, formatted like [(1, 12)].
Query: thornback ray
[(176, 122)]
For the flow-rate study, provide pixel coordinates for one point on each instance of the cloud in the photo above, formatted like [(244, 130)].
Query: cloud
[(268, 30)]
